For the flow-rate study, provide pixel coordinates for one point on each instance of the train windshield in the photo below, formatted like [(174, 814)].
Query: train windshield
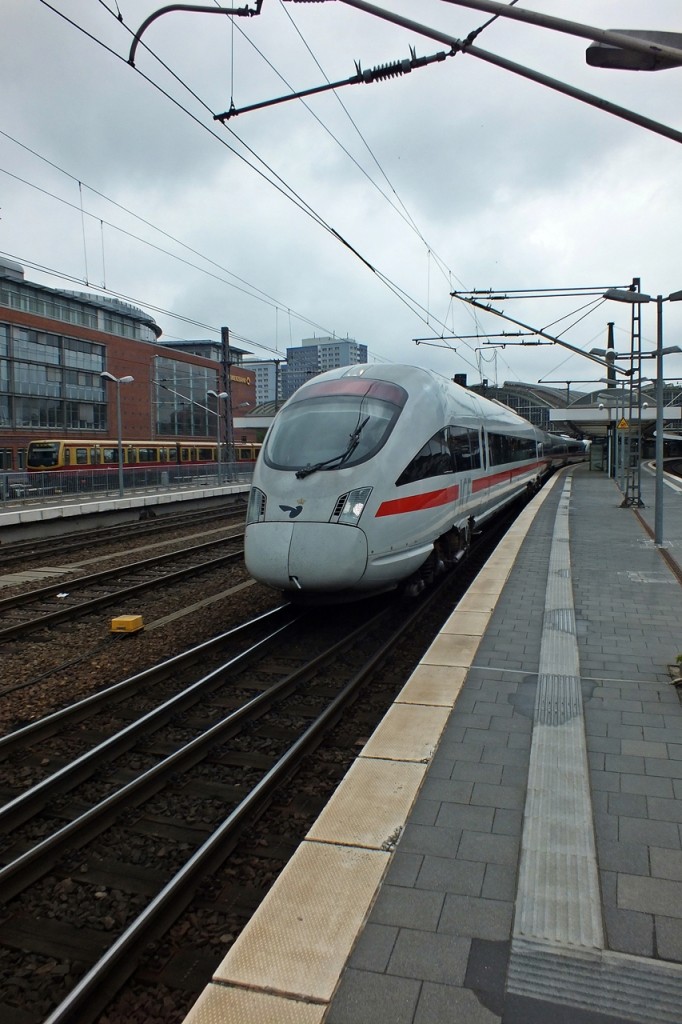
[(42, 454), (333, 425)]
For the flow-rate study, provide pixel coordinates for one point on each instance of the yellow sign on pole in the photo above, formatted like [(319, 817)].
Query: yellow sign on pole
[(623, 424)]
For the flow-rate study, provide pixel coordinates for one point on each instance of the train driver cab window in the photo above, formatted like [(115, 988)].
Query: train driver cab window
[(333, 424), (434, 459), (42, 454)]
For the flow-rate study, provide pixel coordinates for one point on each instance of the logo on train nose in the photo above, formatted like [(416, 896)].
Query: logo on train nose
[(293, 512)]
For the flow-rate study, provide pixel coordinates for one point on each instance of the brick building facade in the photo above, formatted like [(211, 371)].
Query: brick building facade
[(54, 346)]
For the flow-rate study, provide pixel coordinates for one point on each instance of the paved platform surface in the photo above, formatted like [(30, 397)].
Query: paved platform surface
[(535, 785)]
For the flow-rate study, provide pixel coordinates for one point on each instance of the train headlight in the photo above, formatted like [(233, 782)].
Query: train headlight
[(255, 512), (354, 506)]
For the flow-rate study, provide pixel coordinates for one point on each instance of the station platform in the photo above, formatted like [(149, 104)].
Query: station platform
[(59, 512), (508, 845)]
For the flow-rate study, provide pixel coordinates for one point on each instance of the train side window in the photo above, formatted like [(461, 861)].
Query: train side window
[(109, 456), (460, 447), (498, 449), (205, 454), (147, 455), (434, 459), (81, 456), (476, 452), (504, 448)]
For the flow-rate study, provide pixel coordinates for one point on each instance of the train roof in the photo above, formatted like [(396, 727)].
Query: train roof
[(473, 405)]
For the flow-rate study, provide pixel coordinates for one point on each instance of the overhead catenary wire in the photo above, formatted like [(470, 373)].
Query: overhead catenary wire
[(247, 289), (276, 181), (413, 305)]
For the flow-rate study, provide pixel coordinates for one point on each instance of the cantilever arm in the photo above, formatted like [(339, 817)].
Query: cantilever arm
[(243, 11)]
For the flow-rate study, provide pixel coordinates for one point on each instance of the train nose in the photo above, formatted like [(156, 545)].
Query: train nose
[(305, 556)]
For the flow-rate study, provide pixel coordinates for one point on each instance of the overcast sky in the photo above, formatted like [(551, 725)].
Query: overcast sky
[(456, 176)]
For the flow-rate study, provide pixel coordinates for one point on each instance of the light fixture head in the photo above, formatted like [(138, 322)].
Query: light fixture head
[(625, 295)]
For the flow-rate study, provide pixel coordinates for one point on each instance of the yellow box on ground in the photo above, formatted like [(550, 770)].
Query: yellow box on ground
[(127, 624)]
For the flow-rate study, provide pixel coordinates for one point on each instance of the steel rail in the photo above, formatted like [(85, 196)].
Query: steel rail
[(47, 726), (21, 807), (102, 981), (34, 863), (8, 603), (84, 607)]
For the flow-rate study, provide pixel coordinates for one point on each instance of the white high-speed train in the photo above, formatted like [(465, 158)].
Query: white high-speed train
[(374, 476)]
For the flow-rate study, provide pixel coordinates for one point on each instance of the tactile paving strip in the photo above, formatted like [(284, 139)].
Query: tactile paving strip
[(558, 897)]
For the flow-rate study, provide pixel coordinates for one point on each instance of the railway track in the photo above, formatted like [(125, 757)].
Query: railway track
[(35, 609), (206, 762), (17, 552)]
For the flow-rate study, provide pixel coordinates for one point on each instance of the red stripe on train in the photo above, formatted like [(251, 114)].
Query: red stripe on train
[(433, 499), (504, 477), (418, 502)]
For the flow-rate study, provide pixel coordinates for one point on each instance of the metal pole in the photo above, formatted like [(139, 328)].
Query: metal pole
[(120, 439), (658, 512), (220, 464)]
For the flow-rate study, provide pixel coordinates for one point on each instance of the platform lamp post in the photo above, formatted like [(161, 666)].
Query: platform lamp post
[(218, 395), (621, 295), (118, 381)]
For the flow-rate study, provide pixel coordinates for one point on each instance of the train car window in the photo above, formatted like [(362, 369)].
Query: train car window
[(434, 459), (109, 456), (81, 456), (147, 454), (172, 454), (205, 454), (503, 448)]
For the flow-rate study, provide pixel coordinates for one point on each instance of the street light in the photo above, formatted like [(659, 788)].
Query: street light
[(620, 295), (118, 381), (218, 395)]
